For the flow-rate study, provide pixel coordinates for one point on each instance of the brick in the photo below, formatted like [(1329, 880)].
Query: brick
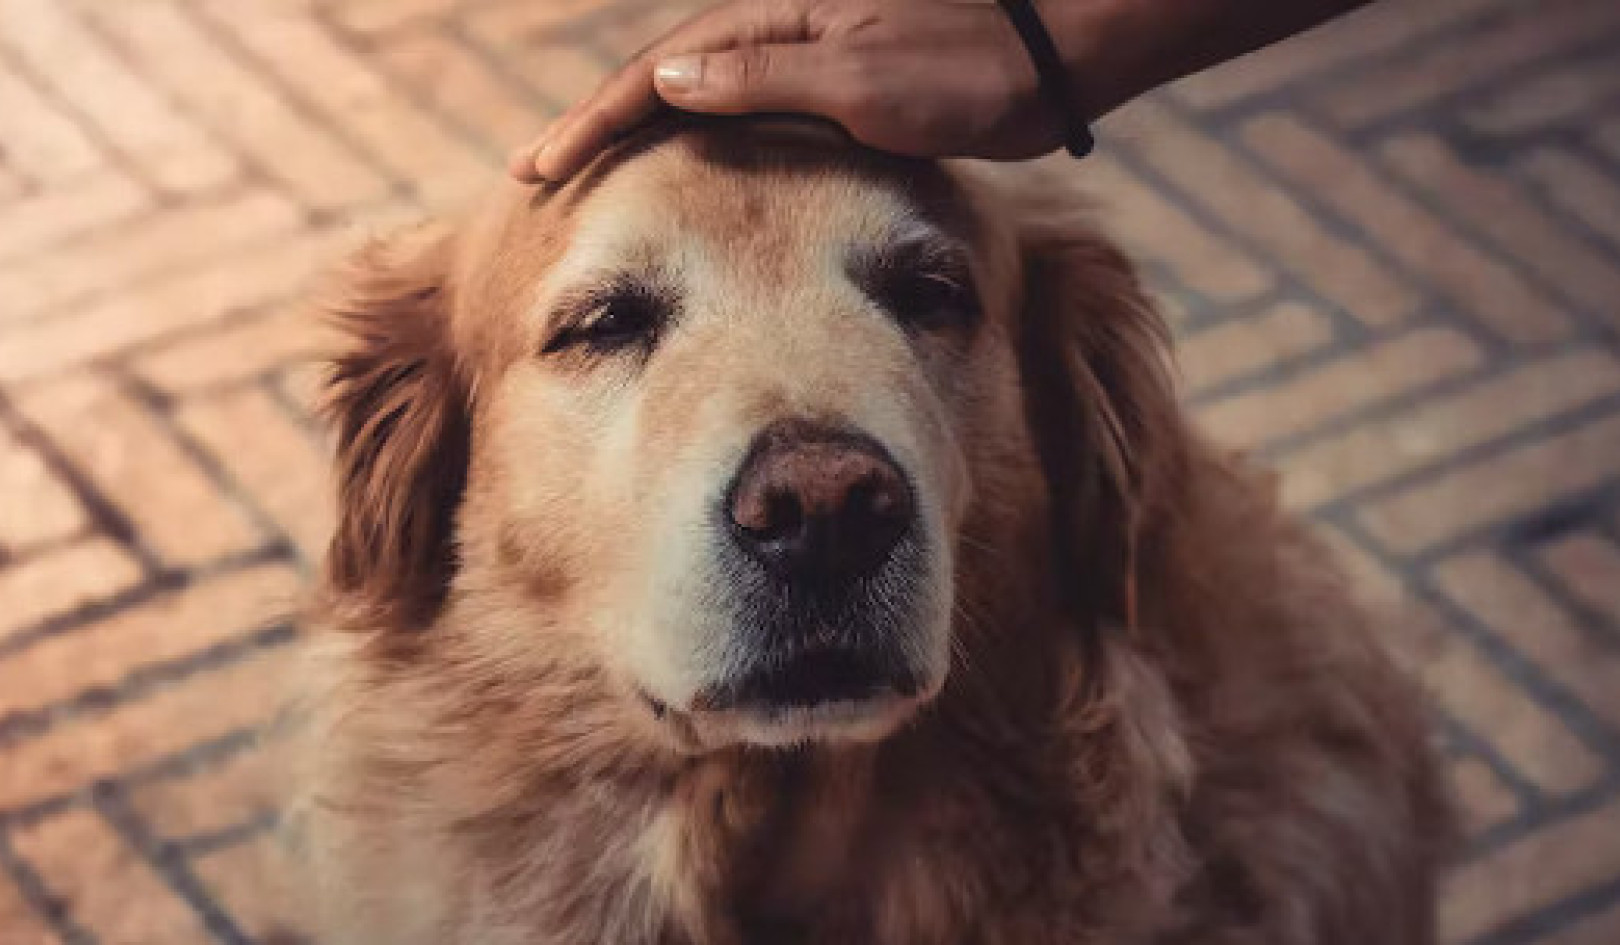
[(243, 788), (1458, 677), (1404, 229), (463, 88), (516, 23), (89, 746), (301, 386), (1372, 580), (375, 16), (1493, 490), (21, 923), (1153, 227), (276, 462), (11, 184), (67, 209), (118, 102), (386, 218), (1369, 32), (1175, 310), (1607, 137), (1368, 377), (105, 885), (1445, 425), (164, 306), (240, 105), (1234, 349), (256, 882), (114, 257), (1600, 928), (1433, 71), (166, 628), (175, 508), (626, 34), (1589, 568), (238, 351), (1476, 693), (1577, 187), (42, 143), (1411, 633), (1521, 614), (563, 73), (35, 506), (1549, 99), (1535, 872), (1496, 210), (1485, 801), (62, 579), (395, 133), (1212, 174), (222, 342)]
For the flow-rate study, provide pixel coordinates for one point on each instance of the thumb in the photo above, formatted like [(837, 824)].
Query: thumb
[(787, 78)]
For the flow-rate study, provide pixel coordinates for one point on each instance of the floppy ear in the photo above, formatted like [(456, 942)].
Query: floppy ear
[(1102, 405), (396, 399)]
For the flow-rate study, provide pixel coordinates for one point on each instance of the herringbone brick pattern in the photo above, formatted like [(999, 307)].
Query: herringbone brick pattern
[(1391, 250)]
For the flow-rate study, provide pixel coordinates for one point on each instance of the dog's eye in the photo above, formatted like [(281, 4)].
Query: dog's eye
[(924, 285), (613, 322), (928, 301)]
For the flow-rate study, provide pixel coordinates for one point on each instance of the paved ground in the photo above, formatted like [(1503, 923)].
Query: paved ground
[(1392, 251)]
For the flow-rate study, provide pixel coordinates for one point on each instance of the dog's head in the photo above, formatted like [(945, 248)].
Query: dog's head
[(718, 418)]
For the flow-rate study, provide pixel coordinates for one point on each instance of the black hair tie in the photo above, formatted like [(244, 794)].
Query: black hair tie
[(1049, 68)]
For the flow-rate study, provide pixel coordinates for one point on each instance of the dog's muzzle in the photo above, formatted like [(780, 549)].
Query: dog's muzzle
[(825, 554)]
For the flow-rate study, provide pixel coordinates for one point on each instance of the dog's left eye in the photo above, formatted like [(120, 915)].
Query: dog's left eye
[(926, 300), (930, 300), (613, 322), (925, 286)]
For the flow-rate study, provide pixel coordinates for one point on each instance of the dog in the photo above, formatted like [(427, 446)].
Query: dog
[(762, 539)]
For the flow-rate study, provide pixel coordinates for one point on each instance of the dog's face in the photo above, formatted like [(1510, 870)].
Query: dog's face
[(717, 414)]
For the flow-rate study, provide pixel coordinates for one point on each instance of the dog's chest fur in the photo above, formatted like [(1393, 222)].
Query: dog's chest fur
[(958, 824), (949, 827)]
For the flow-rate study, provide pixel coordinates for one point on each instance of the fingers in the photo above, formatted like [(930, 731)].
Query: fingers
[(629, 97), (787, 78), (623, 103)]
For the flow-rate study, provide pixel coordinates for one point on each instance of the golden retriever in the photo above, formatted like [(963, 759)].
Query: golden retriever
[(759, 539)]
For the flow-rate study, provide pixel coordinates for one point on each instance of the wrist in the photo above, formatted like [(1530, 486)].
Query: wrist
[(1108, 49)]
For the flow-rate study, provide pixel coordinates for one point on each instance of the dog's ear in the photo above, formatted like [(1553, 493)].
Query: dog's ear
[(397, 402), (1102, 405)]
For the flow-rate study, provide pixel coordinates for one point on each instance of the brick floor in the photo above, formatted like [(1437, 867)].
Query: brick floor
[(1391, 250)]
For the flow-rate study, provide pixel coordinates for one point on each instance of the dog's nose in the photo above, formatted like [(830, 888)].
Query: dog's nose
[(813, 501)]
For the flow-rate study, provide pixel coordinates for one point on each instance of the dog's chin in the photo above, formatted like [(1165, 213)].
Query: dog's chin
[(868, 719), (826, 696), (791, 667)]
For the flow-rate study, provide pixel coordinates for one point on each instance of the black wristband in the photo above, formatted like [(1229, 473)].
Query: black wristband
[(1049, 69)]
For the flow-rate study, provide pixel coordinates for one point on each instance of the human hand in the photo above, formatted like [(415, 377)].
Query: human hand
[(925, 78)]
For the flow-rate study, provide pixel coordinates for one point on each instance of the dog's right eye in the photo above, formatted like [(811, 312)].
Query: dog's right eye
[(926, 286), (613, 321)]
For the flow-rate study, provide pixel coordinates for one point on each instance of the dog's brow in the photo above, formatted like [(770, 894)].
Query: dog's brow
[(655, 282), (914, 244)]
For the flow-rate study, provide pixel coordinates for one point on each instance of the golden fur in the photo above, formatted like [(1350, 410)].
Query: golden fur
[(1164, 720)]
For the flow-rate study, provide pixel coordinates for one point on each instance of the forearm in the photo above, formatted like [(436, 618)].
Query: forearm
[(1119, 49)]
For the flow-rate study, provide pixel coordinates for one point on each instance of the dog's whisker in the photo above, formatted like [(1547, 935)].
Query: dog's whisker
[(980, 545)]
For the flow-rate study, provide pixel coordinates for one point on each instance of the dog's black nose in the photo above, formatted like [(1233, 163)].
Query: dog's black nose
[(815, 502)]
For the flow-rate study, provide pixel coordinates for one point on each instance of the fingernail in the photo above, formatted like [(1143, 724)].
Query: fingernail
[(521, 164), (680, 72)]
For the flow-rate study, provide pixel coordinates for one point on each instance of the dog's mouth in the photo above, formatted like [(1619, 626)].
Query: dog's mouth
[(811, 679), (835, 693), (807, 660)]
